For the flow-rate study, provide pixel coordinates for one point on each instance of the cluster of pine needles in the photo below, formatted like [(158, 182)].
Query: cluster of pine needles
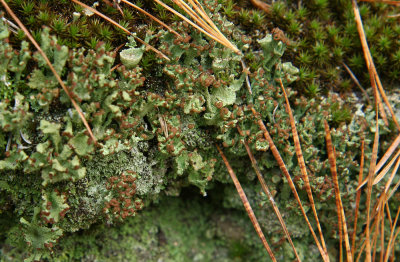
[(378, 213)]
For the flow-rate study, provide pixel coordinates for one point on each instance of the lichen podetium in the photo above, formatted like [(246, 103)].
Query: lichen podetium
[(156, 123)]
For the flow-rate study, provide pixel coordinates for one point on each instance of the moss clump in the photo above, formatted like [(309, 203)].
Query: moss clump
[(323, 35)]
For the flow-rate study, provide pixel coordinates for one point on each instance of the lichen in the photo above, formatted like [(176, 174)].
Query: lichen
[(156, 128)]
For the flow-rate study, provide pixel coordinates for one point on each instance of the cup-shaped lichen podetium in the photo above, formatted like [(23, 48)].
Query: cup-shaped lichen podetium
[(131, 57)]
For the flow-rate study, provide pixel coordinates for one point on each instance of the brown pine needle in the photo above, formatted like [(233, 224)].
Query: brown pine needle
[(269, 195), (355, 80), (382, 1), (284, 170), (28, 34), (339, 206), (394, 189), (358, 196), (204, 15), (384, 171), (261, 5), (246, 204), (375, 80), (370, 182), (388, 214), (378, 222), (390, 180), (302, 164), (122, 28), (152, 17), (202, 25), (382, 236), (188, 21), (392, 257), (209, 23), (392, 236), (387, 154)]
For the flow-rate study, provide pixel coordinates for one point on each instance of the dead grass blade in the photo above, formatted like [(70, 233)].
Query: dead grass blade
[(152, 17), (302, 164), (339, 206), (375, 80), (122, 28), (246, 204), (358, 196), (204, 23), (269, 195), (28, 34), (284, 170)]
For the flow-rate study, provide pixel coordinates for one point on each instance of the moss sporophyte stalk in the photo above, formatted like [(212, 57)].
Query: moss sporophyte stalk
[(156, 123)]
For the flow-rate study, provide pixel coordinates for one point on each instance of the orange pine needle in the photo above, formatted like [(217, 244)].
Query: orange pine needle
[(375, 80), (370, 182), (28, 34), (270, 197), (384, 171), (388, 154), (355, 80), (302, 164), (246, 204), (261, 5), (382, 1), (358, 196), (392, 236), (203, 26), (284, 170), (382, 236), (152, 17), (122, 28), (339, 206)]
